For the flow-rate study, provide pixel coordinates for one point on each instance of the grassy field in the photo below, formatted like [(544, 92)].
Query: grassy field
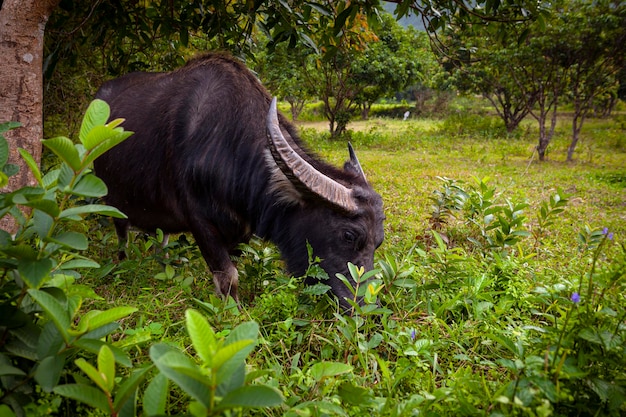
[(500, 286), (405, 159), (467, 326)]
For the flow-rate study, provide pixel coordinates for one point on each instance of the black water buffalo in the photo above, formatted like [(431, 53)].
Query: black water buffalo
[(211, 156)]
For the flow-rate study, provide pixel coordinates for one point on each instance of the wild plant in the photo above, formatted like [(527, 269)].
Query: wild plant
[(571, 359), (42, 326), (48, 337), (446, 202)]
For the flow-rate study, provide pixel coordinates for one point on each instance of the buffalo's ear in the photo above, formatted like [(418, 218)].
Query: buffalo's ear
[(353, 164)]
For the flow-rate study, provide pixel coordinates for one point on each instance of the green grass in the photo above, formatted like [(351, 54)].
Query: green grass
[(458, 336), (467, 326)]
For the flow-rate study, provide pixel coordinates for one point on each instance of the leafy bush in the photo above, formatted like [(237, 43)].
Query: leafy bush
[(47, 334)]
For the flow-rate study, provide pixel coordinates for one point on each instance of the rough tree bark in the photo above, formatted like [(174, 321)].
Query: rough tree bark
[(22, 25)]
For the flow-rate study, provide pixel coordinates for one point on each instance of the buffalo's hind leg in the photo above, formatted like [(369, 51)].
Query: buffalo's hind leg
[(122, 226)]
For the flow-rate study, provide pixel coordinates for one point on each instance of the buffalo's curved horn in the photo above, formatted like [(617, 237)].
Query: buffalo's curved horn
[(354, 162), (300, 172)]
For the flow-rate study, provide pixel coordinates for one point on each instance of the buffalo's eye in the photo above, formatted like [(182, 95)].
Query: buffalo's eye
[(349, 236)]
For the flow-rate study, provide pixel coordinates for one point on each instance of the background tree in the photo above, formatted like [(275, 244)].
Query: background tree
[(121, 28), (593, 55), (536, 69), (331, 76), (282, 73), (390, 65), (568, 56), (484, 67)]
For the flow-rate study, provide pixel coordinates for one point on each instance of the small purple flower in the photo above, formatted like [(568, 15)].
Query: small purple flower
[(575, 298), (413, 334), (605, 232)]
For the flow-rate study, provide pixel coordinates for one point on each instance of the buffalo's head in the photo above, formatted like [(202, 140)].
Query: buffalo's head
[(336, 211)]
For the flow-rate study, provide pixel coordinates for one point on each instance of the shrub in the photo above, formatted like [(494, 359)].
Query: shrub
[(48, 339)]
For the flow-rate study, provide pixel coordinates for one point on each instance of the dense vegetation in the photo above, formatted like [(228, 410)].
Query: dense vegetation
[(499, 289)]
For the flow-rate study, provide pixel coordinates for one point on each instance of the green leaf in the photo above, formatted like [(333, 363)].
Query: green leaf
[(115, 123), (97, 114), (93, 374), (546, 386), (114, 140), (64, 149), (48, 372), (4, 146), (51, 178), (55, 311), (4, 179), (86, 394), (32, 165), (251, 396), (6, 126), (244, 332), (49, 341), (129, 387), (323, 370), (601, 387), (605, 338), (90, 186), (106, 366), (102, 318), (21, 252), (98, 136), (34, 271), (202, 336), (79, 263), (155, 396), (318, 408), (6, 370), (504, 341), (72, 240), (101, 209), (94, 346), (180, 369), (50, 207), (6, 411), (353, 394), (227, 352)]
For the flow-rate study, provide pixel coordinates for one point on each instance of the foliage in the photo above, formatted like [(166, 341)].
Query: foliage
[(47, 327), (571, 55), (500, 308), (42, 325), (397, 60)]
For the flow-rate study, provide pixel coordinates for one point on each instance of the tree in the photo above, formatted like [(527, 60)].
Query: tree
[(115, 23), (22, 24), (487, 71), (574, 53), (539, 75), (593, 55), (331, 75), (282, 73), (390, 65)]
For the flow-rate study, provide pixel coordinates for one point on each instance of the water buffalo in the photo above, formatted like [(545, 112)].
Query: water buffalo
[(211, 156)]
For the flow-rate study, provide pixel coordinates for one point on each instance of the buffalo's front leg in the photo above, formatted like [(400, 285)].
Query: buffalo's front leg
[(215, 253)]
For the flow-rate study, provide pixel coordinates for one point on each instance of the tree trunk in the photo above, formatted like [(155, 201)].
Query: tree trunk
[(22, 25), (577, 124), (543, 141)]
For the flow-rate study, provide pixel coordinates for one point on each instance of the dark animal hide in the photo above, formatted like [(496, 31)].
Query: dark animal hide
[(211, 156)]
